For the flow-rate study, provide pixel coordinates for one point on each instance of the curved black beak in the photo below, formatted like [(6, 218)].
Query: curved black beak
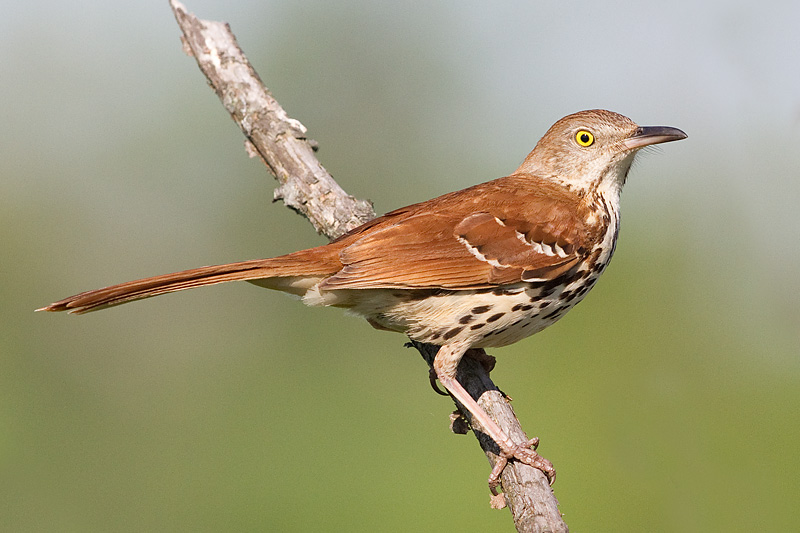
[(647, 135)]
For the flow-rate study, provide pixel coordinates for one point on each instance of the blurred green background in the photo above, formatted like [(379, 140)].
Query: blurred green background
[(668, 400)]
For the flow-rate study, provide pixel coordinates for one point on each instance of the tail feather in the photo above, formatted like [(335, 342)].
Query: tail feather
[(306, 263)]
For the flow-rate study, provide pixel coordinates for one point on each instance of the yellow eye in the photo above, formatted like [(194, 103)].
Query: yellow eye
[(584, 138)]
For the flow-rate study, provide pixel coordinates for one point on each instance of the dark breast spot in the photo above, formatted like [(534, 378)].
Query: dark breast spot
[(466, 319), (572, 296), (477, 326), (499, 291), (494, 332), (481, 309), (553, 313), (451, 333), (555, 283), (495, 317), (546, 292)]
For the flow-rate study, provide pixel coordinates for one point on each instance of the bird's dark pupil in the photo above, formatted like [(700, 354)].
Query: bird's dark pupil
[(584, 137)]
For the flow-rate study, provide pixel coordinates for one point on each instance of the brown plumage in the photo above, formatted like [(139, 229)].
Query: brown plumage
[(422, 246), (484, 266)]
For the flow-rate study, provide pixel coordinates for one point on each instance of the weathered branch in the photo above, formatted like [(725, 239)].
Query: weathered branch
[(308, 188), (527, 492), (279, 140)]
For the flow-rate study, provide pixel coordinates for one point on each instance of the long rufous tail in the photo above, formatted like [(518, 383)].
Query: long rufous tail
[(290, 273)]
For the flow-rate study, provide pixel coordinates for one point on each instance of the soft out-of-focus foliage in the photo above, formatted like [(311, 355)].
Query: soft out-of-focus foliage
[(667, 400)]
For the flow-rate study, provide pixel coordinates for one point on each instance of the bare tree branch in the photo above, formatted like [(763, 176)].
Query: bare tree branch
[(305, 186), (527, 492), (280, 141)]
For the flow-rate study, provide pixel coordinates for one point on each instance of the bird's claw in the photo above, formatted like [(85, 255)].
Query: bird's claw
[(524, 453), (434, 386)]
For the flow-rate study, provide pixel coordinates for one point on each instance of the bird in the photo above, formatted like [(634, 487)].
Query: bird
[(482, 267)]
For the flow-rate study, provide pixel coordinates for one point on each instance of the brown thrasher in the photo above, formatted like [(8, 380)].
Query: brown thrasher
[(482, 267)]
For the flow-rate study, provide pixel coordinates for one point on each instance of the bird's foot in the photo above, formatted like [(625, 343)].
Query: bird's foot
[(434, 386), (524, 453)]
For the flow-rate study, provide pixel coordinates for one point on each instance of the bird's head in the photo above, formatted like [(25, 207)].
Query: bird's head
[(592, 151)]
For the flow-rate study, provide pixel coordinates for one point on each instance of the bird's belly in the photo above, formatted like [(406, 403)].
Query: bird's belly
[(481, 318)]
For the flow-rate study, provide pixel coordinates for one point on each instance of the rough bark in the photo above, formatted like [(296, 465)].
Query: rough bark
[(530, 498), (305, 186), (280, 141)]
